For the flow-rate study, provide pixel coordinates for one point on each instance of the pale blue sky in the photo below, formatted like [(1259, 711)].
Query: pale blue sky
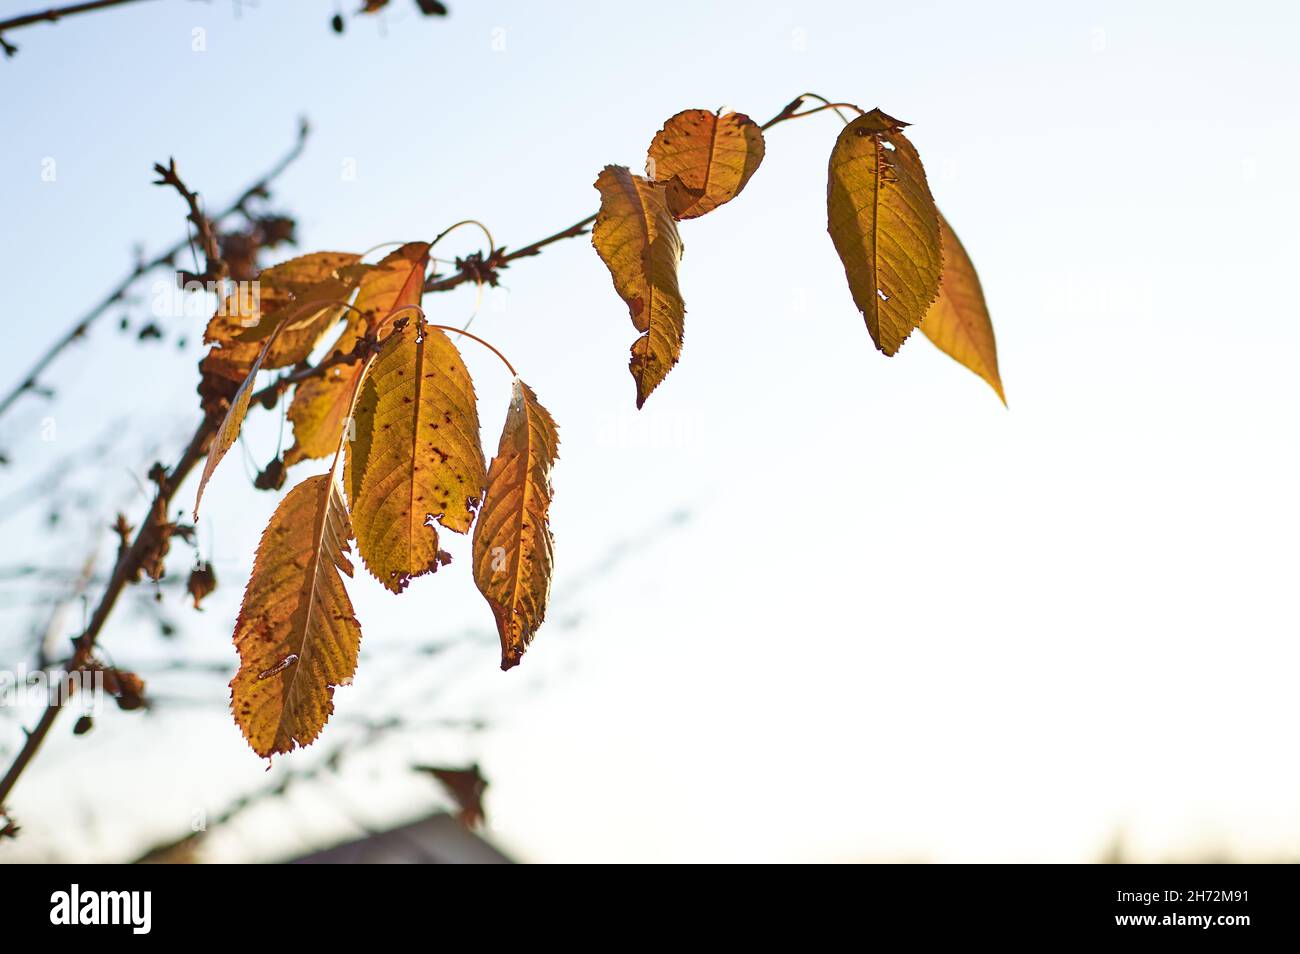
[(901, 621)]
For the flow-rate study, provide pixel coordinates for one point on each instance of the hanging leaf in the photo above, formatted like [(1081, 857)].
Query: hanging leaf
[(958, 322), (636, 238), (296, 634), (231, 424), (320, 405), (704, 159), (513, 547), (885, 227), (425, 462)]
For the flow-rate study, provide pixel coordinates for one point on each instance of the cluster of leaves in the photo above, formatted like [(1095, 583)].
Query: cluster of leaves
[(396, 412), (905, 266), (400, 423)]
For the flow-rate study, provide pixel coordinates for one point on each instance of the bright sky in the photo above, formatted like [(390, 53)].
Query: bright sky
[(900, 622)]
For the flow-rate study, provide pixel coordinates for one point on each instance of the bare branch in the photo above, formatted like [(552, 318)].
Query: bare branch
[(259, 189), (215, 268), (52, 15)]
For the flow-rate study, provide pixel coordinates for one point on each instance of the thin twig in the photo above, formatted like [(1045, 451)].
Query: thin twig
[(214, 266), (28, 382), (791, 110), (477, 268), (52, 15)]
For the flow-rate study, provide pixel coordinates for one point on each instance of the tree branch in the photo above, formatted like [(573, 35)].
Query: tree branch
[(78, 331), (52, 15), (131, 560), (215, 269), (477, 268)]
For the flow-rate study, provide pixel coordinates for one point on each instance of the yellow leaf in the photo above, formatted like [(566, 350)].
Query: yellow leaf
[(885, 227), (636, 238), (232, 422), (704, 159), (958, 322), (513, 547), (319, 409), (320, 405), (425, 462), (296, 635)]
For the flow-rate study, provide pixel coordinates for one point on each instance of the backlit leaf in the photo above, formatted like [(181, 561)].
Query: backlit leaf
[(958, 322), (885, 227), (228, 433), (513, 547), (296, 634), (704, 159), (425, 461), (320, 405), (637, 239)]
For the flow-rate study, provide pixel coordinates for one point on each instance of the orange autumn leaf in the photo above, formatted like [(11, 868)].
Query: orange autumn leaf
[(958, 322), (296, 635), (704, 159), (885, 227), (296, 298), (513, 546), (636, 237), (425, 462), (320, 405)]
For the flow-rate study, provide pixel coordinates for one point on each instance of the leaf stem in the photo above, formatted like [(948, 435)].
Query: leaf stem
[(459, 331), (468, 334), (791, 109), (492, 247)]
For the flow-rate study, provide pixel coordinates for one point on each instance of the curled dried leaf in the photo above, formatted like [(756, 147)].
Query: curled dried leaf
[(126, 688), (130, 694), (202, 582), (296, 300)]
